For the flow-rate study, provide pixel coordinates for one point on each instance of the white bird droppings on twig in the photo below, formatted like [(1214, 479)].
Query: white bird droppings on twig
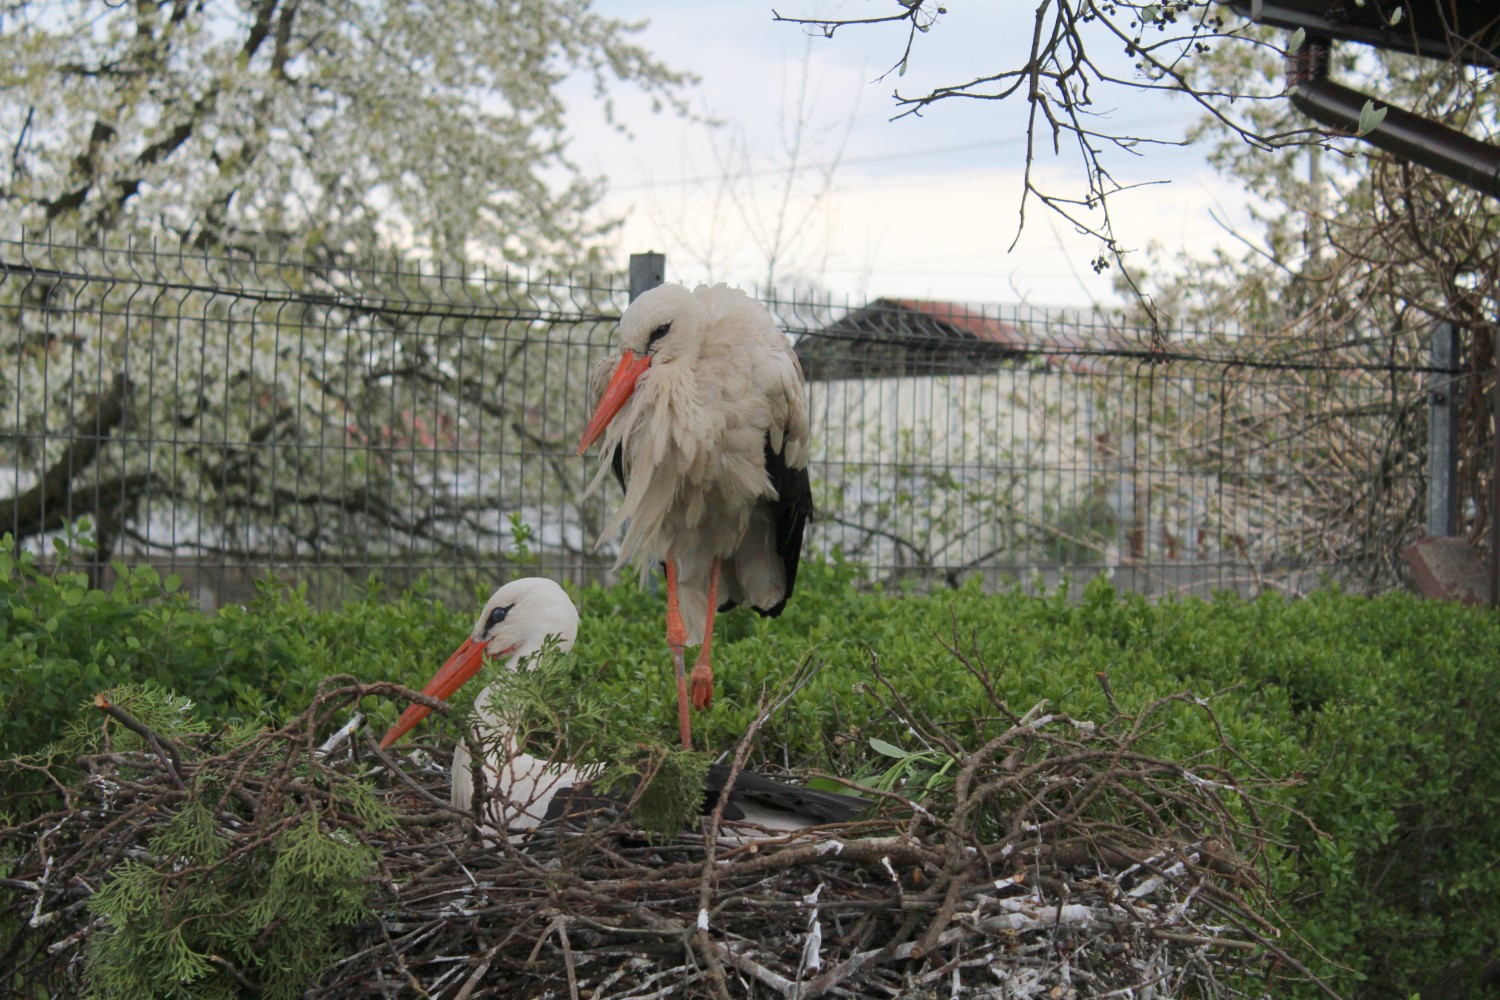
[(812, 948), (1194, 779), (333, 742)]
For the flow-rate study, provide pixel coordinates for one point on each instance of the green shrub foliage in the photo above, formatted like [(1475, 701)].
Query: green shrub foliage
[(1377, 712), (199, 922), (60, 643)]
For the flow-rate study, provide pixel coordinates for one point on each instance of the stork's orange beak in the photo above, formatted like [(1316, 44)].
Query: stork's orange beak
[(621, 386), (452, 675)]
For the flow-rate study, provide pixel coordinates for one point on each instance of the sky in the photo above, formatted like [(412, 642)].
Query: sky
[(919, 207)]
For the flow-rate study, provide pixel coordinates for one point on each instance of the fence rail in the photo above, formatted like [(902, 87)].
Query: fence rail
[(327, 421)]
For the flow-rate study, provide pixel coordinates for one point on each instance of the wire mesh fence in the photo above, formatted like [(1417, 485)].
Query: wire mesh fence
[(329, 422)]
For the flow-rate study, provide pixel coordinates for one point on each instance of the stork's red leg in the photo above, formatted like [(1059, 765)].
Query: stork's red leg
[(703, 671), (677, 640)]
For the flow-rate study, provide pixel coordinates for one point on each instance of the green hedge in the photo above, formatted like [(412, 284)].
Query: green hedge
[(1376, 710)]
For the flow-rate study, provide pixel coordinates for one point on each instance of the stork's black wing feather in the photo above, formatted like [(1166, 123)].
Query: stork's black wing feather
[(617, 463), (823, 807), (790, 512), (811, 804)]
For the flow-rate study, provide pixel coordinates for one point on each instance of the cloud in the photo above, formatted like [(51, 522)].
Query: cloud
[(923, 206), (945, 236)]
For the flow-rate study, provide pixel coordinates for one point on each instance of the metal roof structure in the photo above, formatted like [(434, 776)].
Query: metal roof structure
[(1465, 30)]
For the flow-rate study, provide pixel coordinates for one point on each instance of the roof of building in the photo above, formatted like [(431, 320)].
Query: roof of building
[(891, 337)]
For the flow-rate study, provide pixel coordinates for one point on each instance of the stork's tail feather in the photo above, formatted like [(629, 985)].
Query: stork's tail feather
[(693, 604), (774, 611)]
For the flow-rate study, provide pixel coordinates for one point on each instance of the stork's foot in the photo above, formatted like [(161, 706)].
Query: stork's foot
[(703, 686)]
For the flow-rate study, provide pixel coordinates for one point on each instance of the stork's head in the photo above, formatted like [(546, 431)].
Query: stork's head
[(517, 620), (663, 327)]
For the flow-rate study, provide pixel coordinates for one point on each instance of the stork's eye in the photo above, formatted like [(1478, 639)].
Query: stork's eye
[(496, 617), (657, 334)]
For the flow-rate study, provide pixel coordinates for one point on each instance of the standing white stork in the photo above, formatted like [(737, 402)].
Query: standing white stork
[(517, 621), (704, 422)]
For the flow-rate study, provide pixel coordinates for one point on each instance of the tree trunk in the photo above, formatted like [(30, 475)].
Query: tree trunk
[(57, 499)]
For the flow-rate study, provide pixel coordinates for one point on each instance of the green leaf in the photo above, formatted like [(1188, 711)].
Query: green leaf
[(1370, 116), (889, 749), (1298, 37)]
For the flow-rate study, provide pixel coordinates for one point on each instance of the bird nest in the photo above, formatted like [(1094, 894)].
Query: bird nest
[(1054, 859)]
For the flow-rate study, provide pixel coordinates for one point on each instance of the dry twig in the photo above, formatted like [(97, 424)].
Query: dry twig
[(1063, 856)]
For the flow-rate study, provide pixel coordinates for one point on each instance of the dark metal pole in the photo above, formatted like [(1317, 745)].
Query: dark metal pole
[(647, 270), (1495, 481), (1445, 150), (1442, 434)]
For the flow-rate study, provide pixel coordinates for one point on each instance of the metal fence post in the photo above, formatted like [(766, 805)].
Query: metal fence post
[(1442, 434), (647, 270), (1495, 482)]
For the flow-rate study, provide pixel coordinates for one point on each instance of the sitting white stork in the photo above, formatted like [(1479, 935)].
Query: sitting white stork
[(704, 422), (516, 622)]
